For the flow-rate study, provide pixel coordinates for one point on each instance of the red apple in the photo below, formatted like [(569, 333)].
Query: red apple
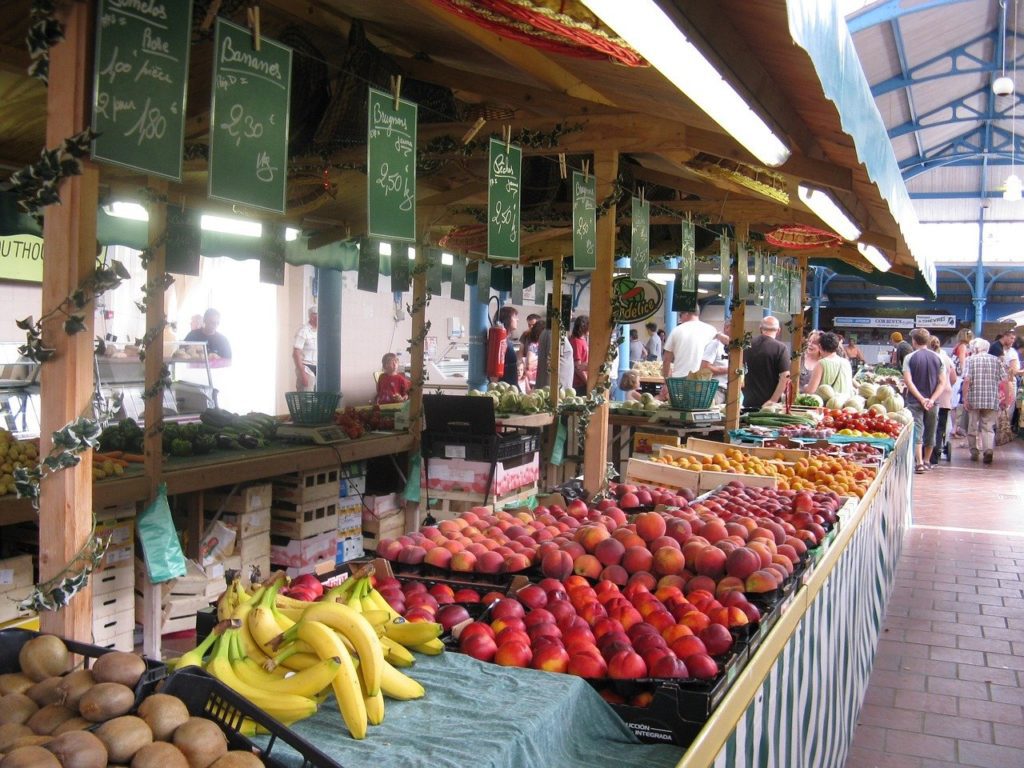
[(450, 615), (513, 654), (479, 646)]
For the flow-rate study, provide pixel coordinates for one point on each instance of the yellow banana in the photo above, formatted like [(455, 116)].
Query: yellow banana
[(412, 632), (287, 708), (433, 647), (359, 632), (398, 685), (250, 727), (283, 601), (309, 682), (263, 628), (377, 618), (251, 648), (295, 656), (380, 602), (193, 658), (396, 653), (293, 614), (227, 603), (349, 696), (374, 705)]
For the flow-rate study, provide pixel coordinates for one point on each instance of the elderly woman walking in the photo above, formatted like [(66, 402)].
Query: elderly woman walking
[(980, 392)]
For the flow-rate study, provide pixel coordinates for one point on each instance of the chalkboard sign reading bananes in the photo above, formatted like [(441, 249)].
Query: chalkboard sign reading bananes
[(139, 83), (249, 119)]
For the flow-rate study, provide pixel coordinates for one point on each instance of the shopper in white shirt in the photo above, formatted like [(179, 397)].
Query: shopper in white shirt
[(653, 344), (304, 353), (716, 360), (685, 345)]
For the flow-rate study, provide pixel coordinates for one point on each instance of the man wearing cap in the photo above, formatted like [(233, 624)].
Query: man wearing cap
[(304, 353), (901, 348)]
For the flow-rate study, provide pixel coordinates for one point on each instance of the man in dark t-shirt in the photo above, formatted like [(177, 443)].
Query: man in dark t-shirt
[(902, 348), (217, 345), (767, 363), (922, 373)]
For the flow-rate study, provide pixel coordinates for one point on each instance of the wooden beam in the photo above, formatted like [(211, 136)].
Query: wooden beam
[(522, 57), (595, 450), (15, 60), (66, 381), (797, 342), (736, 334)]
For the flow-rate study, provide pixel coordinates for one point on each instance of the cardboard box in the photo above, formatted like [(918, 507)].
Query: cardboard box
[(465, 476), (647, 442), (375, 529), (380, 506), (113, 580), (307, 487), (303, 553), (253, 547), (351, 487), (349, 548), (118, 524), (350, 517), (249, 498), (16, 581), (245, 523), (300, 521), (116, 631), (111, 603)]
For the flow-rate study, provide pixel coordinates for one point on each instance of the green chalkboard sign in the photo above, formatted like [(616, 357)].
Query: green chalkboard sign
[(640, 242), (249, 119), (391, 167), (724, 266), (584, 221), (140, 76), (503, 200)]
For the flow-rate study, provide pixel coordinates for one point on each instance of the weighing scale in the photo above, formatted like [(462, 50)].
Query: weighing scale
[(698, 418), (323, 434)]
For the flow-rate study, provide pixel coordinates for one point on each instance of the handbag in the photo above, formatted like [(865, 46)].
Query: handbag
[(1006, 394)]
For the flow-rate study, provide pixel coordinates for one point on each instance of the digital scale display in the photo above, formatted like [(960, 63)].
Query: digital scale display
[(322, 435)]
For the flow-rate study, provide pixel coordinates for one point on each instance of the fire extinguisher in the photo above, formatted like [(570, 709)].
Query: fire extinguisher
[(497, 343)]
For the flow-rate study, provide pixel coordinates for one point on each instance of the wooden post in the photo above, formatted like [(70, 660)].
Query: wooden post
[(66, 381), (419, 324), (798, 335), (595, 448), (739, 317), (154, 405)]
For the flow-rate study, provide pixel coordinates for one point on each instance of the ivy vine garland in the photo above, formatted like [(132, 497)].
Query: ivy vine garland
[(44, 32), (38, 185)]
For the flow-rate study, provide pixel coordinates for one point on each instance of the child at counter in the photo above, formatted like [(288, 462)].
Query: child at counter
[(630, 385), (392, 387)]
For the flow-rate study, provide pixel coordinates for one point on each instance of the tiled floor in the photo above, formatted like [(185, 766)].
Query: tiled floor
[(948, 682)]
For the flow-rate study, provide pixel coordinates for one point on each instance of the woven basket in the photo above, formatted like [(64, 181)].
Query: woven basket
[(691, 395), (312, 407)]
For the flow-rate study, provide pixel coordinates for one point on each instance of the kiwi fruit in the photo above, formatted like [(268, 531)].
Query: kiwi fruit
[(44, 656), (73, 685), (74, 724), (201, 741), (163, 714), (159, 754), (14, 682), (238, 759), (30, 757), (119, 667), (48, 718), (46, 692), (79, 749), (124, 736), (11, 732), (35, 740), (106, 700), (16, 708)]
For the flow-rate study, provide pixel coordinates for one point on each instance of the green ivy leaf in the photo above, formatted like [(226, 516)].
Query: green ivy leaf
[(120, 270), (74, 324), (28, 324)]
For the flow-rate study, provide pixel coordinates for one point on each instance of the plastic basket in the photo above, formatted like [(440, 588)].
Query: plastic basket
[(11, 641), (312, 407), (690, 394), (205, 696)]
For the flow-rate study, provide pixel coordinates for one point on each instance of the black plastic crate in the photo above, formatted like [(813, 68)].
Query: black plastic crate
[(476, 447), (207, 697), (11, 641)]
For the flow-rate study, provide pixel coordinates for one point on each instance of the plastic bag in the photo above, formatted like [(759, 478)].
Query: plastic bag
[(160, 546), (218, 544)]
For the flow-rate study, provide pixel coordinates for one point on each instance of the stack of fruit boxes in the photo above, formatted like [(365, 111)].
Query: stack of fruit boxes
[(183, 597), (247, 511), (350, 508), (304, 521), (113, 601)]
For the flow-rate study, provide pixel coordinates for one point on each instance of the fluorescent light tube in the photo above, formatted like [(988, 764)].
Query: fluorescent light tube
[(231, 226), (829, 211), (874, 256), (127, 211), (899, 298), (647, 28)]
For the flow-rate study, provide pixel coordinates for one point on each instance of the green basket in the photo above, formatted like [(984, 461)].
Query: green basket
[(312, 407), (690, 394)]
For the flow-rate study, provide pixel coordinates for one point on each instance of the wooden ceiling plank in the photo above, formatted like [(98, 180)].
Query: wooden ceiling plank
[(14, 59)]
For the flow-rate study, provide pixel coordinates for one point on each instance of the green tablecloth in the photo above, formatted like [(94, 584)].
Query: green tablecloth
[(479, 715)]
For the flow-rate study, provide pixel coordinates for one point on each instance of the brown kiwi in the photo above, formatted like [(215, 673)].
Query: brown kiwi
[(202, 742), (29, 757), (11, 732), (43, 657), (74, 724), (106, 700), (14, 682), (163, 714), (31, 741), (79, 749), (159, 754), (119, 667), (46, 692), (124, 736), (48, 718), (73, 685), (238, 759), (16, 708)]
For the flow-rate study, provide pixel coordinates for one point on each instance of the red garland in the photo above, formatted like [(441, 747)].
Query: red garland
[(797, 237)]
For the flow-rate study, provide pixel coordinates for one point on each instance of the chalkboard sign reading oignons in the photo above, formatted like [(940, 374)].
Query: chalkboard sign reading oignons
[(503, 202), (584, 221), (140, 77), (391, 167), (249, 119)]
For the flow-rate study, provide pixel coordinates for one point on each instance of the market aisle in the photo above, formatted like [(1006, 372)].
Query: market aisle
[(948, 682)]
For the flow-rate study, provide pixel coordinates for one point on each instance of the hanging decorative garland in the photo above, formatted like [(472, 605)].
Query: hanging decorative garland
[(38, 185), (797, 237), (44, 32)]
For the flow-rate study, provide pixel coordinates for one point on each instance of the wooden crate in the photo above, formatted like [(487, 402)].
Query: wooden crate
[(112, 603), (116, 631), (710, 480), (113, 580), (375, 529), (655, 473), (307, 487), (711, 447), (250, 498), (300, 521)]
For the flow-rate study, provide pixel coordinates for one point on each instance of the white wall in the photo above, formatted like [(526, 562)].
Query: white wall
[(19, 300)]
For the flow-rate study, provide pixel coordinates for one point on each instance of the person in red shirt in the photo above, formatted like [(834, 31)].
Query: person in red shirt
[(392, 387), (579, 340)]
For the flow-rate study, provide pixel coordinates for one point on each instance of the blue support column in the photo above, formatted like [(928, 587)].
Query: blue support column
[(328, 334), (670, 286), (979, 280), (478, 325)]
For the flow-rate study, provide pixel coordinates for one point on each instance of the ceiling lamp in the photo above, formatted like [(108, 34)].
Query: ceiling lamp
[(889, 297), (874, 257), (828, 209), (1002, 86), (1012, 188), (647, 28)]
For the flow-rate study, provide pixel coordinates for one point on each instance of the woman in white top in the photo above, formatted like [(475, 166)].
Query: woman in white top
[(944, 402), (833, 370)]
